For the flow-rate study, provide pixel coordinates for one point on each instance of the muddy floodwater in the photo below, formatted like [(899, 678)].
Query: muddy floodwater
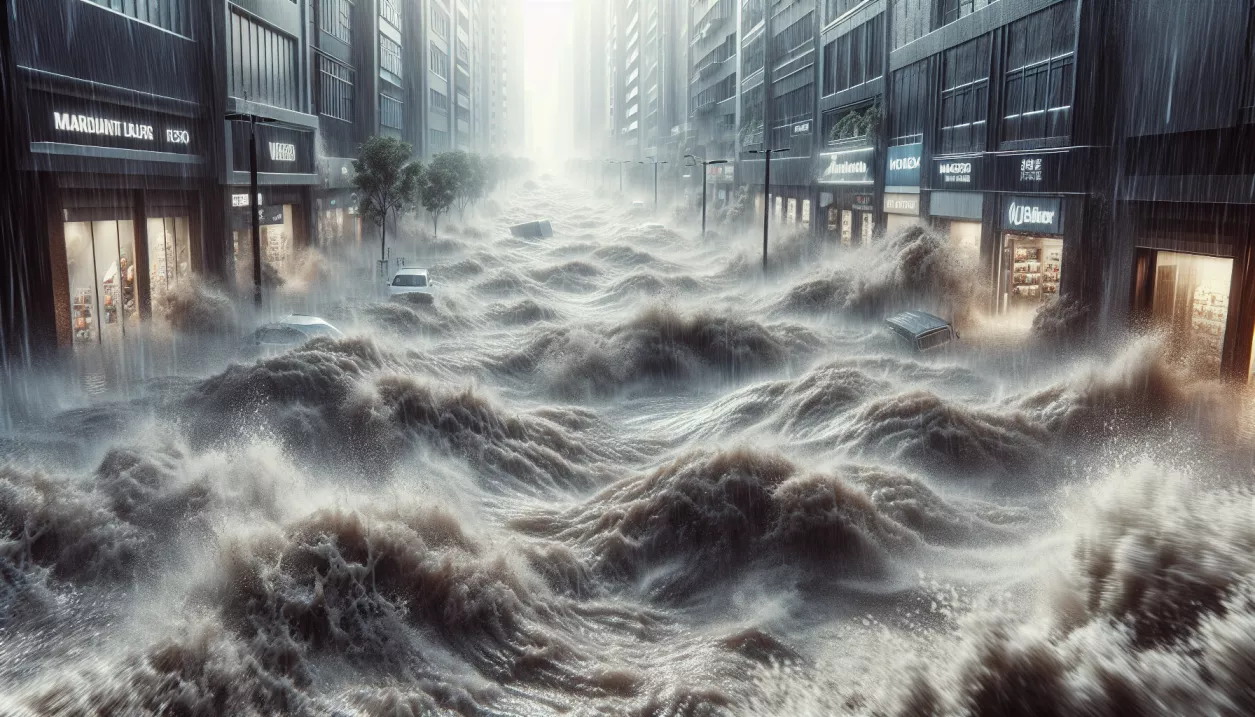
[(623, 471)]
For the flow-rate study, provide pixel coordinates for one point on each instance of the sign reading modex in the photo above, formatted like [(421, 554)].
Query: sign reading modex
[(902, 167), (1042, 215), (849, 167)]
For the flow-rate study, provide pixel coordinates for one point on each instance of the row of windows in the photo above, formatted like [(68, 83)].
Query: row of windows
[(335, 17), (1037, 89), (335, 89), (834, 9), (440, 21), (952, 10), (912, 19), (391, 112), (795, 35), (263, 64), (439, 101), (390, 10), (718, 92), (754, 56), (464, 54), (169, 15), (439, 61), (855, 57), (389, 55), (794, 106)]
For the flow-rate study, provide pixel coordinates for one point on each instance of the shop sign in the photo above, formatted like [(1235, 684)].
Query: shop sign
[(902, 169), (850, 167), (802, 128), (269, 216), (241, 200), (1031, 169), (1042, 215), (73, 120), (961, 173), (280, 150), (862, 203), (902, 204), (721, 172)]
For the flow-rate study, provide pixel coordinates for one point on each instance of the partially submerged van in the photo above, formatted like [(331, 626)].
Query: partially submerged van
[(922, 332)]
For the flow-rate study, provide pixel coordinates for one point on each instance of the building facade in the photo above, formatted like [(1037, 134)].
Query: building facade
[(131, 176)]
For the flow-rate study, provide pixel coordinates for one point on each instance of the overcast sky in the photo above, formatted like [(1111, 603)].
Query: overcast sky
[(547, 80)]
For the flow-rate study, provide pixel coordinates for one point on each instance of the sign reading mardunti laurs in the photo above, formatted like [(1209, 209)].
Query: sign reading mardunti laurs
[(73, 120), (902, 165), (1033, 215), (849, 167), (280, 150), (962, 173)]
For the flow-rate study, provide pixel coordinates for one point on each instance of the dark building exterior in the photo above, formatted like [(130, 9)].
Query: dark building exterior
[(113, 172)]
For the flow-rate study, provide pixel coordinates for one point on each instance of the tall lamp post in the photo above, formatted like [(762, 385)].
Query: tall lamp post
[(620, 163), (253, 191), (704, 163), (767, 192), (654, 162)]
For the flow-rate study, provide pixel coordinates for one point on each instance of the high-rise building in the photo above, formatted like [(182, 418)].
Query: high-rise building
[(590, 70)]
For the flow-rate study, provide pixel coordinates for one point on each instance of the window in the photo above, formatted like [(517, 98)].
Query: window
[(1040, 74), (912, 19), (463, 22), (336, 19), (439, 61), (952, 10), (464, 55), (751, 14), (263, 64), (438, 139), (391, 112), (440, 22), (389, 55), (335, 89), (795, 105), (836, 8), (965, 96), (855, 57), (754, 57), (851, 126), (172, 15), (390, 10), (908, 107), (795, 35), (439, 101)]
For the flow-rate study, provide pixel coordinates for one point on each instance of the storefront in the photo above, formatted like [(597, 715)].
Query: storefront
[(902, 175), (846, 199), (956, 204), (1030, 262), (123, 226), (721, 180), (336, 204), (286, 208)]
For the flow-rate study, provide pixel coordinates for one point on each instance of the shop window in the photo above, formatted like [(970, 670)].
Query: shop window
[(965, 96), (1040, 74), (100, 266), (1191, 300), (277, 247), (1032, 266), (169, 255)]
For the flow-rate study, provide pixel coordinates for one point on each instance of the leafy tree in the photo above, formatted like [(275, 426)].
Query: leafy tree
[(440, 190), (388, 181), (477, 181)]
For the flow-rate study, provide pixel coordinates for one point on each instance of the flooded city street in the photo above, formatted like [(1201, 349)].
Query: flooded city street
[(623, 470)]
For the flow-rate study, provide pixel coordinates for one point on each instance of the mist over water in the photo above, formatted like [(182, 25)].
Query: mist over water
[(622, 470)]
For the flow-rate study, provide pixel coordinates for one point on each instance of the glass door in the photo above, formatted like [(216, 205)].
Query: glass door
[(100, 259)]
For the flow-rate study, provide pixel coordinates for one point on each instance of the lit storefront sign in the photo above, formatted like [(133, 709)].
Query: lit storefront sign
[(1039, 215), (902, 165), (849, 167)]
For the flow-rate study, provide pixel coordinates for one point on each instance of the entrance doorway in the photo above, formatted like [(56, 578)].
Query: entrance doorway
[(169, 255), (1190, 299)]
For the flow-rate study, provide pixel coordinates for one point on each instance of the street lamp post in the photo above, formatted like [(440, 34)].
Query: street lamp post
[(704, 164), (253, 191), (766, 192), (655, 163)]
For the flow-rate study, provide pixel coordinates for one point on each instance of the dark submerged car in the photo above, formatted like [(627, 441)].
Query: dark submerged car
[(922, 332)]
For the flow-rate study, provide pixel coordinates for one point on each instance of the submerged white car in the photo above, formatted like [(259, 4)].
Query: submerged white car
[(409, 280), (287, 333)]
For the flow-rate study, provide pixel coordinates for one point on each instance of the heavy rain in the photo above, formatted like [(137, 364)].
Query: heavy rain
[(709, 358)]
